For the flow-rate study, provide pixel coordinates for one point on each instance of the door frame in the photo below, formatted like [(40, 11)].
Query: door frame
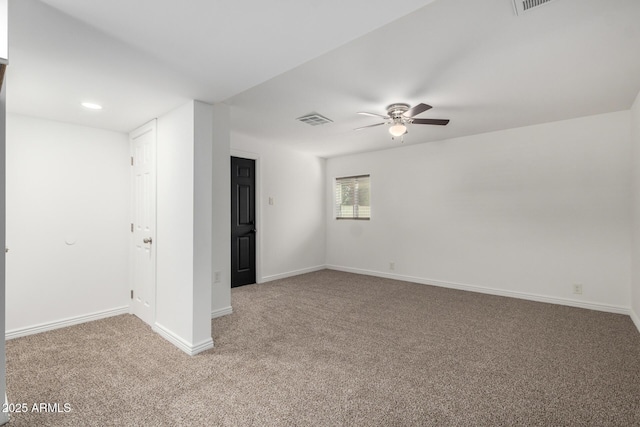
[(256, 157), (151, 126)]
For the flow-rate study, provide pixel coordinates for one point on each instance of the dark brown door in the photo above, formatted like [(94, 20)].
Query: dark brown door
[(243, 217)]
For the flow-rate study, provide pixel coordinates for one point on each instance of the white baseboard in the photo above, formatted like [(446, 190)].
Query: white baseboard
[(491, 291), (221, 312), (292, 273), (182, 344), (43, 327), (635, 318)]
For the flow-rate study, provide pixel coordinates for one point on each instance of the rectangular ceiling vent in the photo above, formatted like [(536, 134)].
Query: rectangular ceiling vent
[(524, 6), (314, 119)]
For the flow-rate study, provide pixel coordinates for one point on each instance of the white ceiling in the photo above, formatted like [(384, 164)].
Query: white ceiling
[(475, 62)]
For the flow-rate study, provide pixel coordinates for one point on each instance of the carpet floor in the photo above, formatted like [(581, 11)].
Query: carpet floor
[(337, 349)]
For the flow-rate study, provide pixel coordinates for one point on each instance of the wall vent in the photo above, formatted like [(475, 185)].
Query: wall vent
[(524, 6), (314, 119)]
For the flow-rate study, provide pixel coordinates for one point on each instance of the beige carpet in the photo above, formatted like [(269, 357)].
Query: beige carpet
[(332, 349)]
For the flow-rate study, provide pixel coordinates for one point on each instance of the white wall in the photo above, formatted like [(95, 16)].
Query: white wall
[(523, 212), (175, 198), (67, 223), (221, 291), (4, 417), (635, 164), (202, 221), (291, 232), (184, 226)]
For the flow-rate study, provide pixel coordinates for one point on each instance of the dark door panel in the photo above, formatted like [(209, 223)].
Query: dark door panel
[(243, 231)]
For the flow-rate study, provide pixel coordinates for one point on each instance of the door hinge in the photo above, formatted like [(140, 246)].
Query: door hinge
[(132, 227), (131, 293), (131, 160)]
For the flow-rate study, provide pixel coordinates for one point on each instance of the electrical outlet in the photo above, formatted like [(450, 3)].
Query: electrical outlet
[(217, 277), (392, 265), (577, 288)]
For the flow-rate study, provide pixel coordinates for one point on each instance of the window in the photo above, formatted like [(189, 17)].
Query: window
[(352, 197)]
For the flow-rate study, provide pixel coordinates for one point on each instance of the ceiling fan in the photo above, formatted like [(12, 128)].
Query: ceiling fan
[(400, 115)]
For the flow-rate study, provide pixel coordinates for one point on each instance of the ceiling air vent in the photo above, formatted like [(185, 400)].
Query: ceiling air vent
[(523, 6), (314, 119)]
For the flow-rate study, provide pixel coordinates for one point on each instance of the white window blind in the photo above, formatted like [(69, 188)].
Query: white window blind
[(353, 197)]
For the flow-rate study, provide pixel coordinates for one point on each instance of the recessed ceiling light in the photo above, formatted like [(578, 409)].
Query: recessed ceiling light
[(92, 106)]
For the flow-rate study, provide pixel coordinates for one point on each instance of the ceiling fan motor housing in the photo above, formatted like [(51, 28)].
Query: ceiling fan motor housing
[(396, 111)]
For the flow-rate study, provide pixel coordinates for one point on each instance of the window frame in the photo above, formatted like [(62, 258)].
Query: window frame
[(336, 206)]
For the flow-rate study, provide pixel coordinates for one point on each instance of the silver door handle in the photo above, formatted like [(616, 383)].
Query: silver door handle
[(147, 240)]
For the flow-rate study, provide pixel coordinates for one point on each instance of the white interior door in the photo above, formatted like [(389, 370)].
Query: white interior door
[(143, 241)]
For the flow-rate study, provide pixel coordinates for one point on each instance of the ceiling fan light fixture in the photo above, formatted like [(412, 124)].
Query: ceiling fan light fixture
[(398, 129), (400, 115)]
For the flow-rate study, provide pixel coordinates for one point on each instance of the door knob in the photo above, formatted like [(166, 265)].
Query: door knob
[(147, 240)]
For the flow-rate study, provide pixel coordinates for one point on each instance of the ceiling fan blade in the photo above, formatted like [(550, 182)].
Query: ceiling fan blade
[(417, 109), (364, 113), (440, 122), (370, 126)]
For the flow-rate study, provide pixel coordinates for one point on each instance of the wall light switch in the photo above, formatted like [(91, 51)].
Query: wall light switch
[(271, 201)]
